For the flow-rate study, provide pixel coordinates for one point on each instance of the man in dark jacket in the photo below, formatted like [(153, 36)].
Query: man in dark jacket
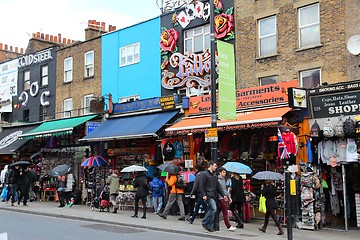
[(209, 189), (25, 180), (142, 192), (12, 179)]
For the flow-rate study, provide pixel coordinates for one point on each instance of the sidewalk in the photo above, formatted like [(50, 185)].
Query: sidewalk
[(171, 224)]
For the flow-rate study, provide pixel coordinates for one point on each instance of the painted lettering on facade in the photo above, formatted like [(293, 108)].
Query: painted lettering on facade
[(35, 58)]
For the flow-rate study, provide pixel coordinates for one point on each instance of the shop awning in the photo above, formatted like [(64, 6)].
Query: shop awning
[(139, 126), (251, 119), (56, 127), (9, 138)]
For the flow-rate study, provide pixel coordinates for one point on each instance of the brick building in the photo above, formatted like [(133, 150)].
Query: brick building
[(78, 77), (8, 52), (278, 41)]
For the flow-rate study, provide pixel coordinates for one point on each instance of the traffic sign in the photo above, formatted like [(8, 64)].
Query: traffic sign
[(211, 135)]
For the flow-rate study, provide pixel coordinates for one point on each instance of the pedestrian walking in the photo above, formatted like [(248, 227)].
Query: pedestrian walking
[(209, 189), (176, 194), (113, 181), (11, 180), (142, 191), (2, 182), (196, 196), (157, 188), (25, 179), (70, 185), (222, 204), (61, 187), (269, 192), (238, 198)]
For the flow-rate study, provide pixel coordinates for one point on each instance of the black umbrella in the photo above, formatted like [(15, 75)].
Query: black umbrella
[(60, 170), (170, 168), (20, 163), (163, 166)]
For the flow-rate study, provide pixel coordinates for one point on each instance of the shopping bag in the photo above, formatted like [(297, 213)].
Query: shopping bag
[(262, 204), (4, 193)]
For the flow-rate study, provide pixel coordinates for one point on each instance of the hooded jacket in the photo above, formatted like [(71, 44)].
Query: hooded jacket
[(114, 184), (3, 172)]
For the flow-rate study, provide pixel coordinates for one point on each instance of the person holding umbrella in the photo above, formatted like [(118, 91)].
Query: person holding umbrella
[(176, 194), (61, 188), (25, 180), (142, 191), (269, 192)]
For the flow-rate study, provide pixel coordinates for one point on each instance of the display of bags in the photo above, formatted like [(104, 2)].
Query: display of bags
[(349, 128), (328, 130), (262, 204)]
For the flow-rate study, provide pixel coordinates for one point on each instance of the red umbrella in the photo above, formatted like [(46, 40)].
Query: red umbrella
[(94, 161)]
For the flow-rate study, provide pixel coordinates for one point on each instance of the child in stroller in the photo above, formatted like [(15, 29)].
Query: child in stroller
[(102, 202)]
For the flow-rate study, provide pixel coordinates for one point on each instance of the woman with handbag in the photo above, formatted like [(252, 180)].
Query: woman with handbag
[(269, 192)]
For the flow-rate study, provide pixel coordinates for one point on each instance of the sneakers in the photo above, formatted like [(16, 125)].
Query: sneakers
[(231, 228)]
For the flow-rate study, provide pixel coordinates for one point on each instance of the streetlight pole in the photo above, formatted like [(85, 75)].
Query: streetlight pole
[(214, 146)]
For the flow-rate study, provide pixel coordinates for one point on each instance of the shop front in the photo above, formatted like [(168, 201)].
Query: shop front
[(335, 128), (252, 138), (56, 142)]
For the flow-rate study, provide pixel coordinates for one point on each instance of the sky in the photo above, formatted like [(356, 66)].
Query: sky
[(20, 18)]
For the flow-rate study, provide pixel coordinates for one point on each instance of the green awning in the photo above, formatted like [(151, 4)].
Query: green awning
[(56, 127)]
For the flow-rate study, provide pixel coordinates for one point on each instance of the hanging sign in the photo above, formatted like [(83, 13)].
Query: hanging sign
[(211, 135)]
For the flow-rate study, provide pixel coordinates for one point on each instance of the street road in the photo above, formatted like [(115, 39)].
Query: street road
[(20, 226)]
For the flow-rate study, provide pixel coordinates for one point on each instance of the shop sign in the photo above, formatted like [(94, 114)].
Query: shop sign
[(335, 104), (248, 98), (6, 104), (335, 88), (9, 139), (91, 126), (35, 58), (297, 98), (140, 105), (227, 128), (167, 103), (9, 77), (120, 151), (211, 135)]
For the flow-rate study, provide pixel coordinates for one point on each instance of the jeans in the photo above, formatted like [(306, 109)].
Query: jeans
[(12, 193), (158, 202), (209, 218), (199, 202)]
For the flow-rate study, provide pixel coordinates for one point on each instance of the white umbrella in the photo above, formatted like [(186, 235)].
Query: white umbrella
[(133, 168), (268, 175)]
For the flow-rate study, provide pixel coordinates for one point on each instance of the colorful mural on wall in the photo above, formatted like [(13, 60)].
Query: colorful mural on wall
[(186, 23)]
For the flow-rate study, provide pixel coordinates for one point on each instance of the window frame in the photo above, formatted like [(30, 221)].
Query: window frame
[(70, 70), (301, 81), (89, 66), (27, 78), (44, 76), (300, 27), (67, 112), (193, 35), (268, 77), (86, 109), (135, 52), (268, 36)]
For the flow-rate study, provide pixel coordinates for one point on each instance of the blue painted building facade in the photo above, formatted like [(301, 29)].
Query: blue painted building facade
[(130, 61)]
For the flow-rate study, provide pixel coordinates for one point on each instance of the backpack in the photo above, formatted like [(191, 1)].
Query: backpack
[(328, 130), (180, 182), (339, 128), (357, 125), (349, 128), (315, 130)]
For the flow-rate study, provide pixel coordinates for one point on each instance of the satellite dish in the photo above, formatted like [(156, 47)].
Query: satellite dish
[(353, 45)]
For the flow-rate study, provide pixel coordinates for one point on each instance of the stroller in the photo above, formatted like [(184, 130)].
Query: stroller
[(102, 202)]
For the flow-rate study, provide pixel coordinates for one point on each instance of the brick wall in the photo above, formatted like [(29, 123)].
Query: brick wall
[(80, 86), (331, 56)]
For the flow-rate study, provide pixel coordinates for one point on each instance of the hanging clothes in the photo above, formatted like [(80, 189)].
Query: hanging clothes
[(178, 149), (309, 151), (169, 151), (290, 141)]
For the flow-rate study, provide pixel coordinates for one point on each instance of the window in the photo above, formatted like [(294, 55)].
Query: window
[(268, 80), (309, 26), (129, 54), (26, 80), (87, 100), (68, 106), (89, 64), (44, 75), (68, 67), (310, 78), (197, 39), (42, 113), (267, 36), (26, 115)]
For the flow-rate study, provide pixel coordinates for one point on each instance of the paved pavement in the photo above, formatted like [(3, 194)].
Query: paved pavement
[(171, 224)]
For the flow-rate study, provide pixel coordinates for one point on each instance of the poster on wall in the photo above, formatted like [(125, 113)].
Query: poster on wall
[(9, 78)]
